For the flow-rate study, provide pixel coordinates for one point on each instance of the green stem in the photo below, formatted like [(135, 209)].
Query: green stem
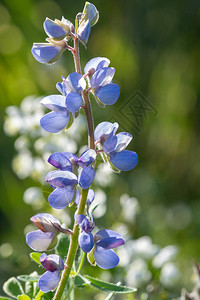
[(74, 237), (81, 263)]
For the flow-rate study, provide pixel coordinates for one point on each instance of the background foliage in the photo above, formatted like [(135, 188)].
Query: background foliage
[(154, 46)]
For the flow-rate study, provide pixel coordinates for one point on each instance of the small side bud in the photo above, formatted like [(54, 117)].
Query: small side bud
[(90, 257), (90, 13), (46, 222), (84, 31), (48, 53)]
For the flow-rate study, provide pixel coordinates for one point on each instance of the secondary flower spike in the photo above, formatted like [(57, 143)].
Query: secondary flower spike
[(114, 144), (53, 265)]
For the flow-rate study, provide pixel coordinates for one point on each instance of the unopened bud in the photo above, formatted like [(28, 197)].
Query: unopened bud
[(90, 13), (48, 53), (57, 29)]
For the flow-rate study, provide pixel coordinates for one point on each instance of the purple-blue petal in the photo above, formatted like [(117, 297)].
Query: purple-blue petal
[(125, 160), (96, 63), (73, 101), (87, 158), (75, 83), (110, 144), (108, 94), (55, 103), (78, 197), (54, 30), (54, 122), (105, 258), (45, 222), (90, 196), (52, 262), (86, 241), (60, 161), (84, 31), (61, 197), (86, 177), (109, 239), (45, 52), (38, 240), (48, 281), (102, 77), (61, 179)]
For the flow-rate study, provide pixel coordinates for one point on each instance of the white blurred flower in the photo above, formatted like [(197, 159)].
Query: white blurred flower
[(138, 273), (166, 254), (104, 175), (100, 202), (130, 207), (22, 164), (143, 247), (33, 196), (169, 275)]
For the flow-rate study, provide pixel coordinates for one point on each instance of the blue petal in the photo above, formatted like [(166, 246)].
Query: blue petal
[(52, 262), (108, 94), (75, 83), (54, 30), (73, 102), (105, 258), (96, 63), (54, 122), (45, 52), (38, 240), (110, 144), (84, 223), (61, 197), (78, 197), (109, 239), (61, 179), (90, 196), (60, 161), (45, 222), (125, 160), (54, 102), (86, 241), (48, 281), (102, 77), (104, 129), (86, 177), (87, 158), (84, 31)]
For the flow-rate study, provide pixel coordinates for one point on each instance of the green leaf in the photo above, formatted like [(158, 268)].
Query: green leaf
[(109, 287), (62, 245), (4, 298), (36, 257), (12, 287), (29, 289), (47, 296), (30, 278), (80, 281), (23, 297), (78, 257)]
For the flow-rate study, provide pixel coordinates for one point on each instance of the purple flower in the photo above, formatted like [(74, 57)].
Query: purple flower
[(90, 13), (53, 264), (84, 31), (101, 81), (44, 238), (114, 144), (57, 29), (65, 180), (99, 247), (63, 183), (63, 105), (48, 53)]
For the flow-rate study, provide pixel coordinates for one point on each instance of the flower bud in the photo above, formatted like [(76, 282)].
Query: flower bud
[(84, 31), (90, 13), (55, 29), (46, 222), (48, 53)]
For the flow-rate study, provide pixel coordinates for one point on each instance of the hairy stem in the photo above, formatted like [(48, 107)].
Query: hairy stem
[(74, 237)]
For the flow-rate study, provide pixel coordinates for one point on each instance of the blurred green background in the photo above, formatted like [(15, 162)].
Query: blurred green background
[(155, 47)]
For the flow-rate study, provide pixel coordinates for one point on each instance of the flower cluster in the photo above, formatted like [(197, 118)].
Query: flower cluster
[(74, 173)]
